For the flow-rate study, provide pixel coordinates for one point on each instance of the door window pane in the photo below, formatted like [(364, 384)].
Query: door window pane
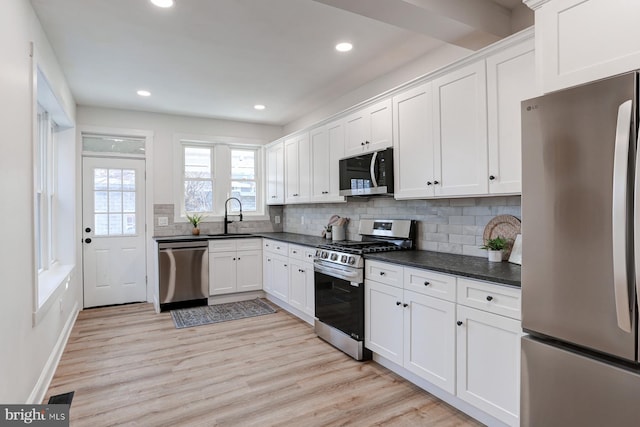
[(115, 209)]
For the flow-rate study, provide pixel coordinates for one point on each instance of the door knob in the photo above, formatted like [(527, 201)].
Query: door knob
[(87, 240), (459, 323), (87, 230), (428, 182), (405, 305), (436, 182), (489, 298), (398, 303), (492, 177), (427, 283)]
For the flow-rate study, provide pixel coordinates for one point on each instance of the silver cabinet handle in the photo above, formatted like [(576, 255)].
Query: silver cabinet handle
[(619, 214)]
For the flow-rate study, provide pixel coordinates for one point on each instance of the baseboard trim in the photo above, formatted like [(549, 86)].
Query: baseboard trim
[(44, 381)]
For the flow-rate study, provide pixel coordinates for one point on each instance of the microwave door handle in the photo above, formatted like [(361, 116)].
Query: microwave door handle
[(372, 169), (636, 221), (619, 216)]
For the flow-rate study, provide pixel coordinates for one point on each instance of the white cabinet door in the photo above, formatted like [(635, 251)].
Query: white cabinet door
[(369, 129), (222, 273), (309, 280), (578, 41), (429, 339), (413, 143), (267, 273), (297, 285), (297, 156), (327, 148), (384, 317), (460, 132), (488, 363), (510, 79), (248, 270), (275, 174), (280, 283)]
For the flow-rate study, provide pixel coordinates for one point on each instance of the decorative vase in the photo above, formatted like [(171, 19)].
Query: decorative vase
[(195, 231), (495, 256)]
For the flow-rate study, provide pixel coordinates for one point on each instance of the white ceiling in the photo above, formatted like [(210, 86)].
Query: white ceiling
[(208, 58)]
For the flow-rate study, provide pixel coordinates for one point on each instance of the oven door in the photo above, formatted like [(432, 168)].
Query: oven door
[(340, 303)]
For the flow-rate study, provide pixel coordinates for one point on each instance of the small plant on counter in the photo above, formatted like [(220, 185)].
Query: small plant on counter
[(496, 244), (195, 219)]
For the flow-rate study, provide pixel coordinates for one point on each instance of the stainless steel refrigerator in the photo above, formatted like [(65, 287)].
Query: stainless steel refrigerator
[(580, 256)]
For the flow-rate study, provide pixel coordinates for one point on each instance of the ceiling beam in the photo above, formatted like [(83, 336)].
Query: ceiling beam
[(467, 23)]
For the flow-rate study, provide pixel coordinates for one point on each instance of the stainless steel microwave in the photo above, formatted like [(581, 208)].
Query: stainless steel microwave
[(367, 174)]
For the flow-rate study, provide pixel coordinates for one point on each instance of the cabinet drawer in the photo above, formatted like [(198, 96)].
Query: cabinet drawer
[(489, 297), (223, 245), (302, 253), (430, 283), (249, 244), (381, 272), (275, 246)]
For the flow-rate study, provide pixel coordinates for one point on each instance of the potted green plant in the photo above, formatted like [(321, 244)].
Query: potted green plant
[(494, 248), (195, 219)]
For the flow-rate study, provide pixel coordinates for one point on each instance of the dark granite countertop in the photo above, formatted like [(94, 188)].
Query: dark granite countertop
[(460, 265)]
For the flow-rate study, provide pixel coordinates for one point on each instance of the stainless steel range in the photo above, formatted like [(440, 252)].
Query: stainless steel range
[(339, 281)]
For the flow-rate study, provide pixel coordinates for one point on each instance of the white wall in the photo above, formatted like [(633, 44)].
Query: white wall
[(432, 61), (164, 126), (25, 349)]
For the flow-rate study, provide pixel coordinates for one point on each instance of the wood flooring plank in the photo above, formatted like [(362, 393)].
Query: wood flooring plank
[(130, 366)]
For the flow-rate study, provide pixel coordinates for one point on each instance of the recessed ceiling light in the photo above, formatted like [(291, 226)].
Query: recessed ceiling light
[(143, 93), (344, 47), (162, 3), (259, 107)]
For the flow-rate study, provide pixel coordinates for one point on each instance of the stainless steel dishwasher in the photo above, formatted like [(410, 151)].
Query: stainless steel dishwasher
[(184, 274)]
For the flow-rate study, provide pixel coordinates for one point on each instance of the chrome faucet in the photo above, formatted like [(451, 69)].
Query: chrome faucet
[(226, 217)]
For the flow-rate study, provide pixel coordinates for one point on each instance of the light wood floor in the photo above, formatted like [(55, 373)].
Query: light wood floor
[(129, 365)]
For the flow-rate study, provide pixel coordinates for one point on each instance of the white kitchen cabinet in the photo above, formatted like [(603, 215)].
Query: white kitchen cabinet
[(301, 279), (384, 319), (327, 148), (510, 79), (488, 356), (413, 143), (369, 129), (235, 265), (460, 131), (430, 339), (276, 268), (297, 177), (275, 173), (488, 363), (578, 41)]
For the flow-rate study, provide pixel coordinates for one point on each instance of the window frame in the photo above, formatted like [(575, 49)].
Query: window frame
[(221, 148), (45, 192), (184, 179), (255, 180)]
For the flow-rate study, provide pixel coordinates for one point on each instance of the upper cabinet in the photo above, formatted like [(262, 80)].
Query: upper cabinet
[(413, 143), (368, 129), (275, 173), (327, 148), (297, 170), (460, 131), (578, 41), (510, 80), (459, 135)]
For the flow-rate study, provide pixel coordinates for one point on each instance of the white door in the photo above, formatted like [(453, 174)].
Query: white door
[(383, 321), (222, 273), (249, 271), (113, 231)]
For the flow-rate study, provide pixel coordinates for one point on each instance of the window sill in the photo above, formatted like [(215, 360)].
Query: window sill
[(51, 284)]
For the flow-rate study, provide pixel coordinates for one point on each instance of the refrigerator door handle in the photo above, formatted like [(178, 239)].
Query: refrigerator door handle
[(619, 216)]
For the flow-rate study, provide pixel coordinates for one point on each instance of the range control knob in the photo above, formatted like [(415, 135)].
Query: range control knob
[(352, 260), (343, 259), (334, 257), (325, 255), (318, 252)]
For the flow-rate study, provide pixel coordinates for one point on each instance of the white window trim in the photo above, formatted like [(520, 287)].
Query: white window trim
[(181, 139)]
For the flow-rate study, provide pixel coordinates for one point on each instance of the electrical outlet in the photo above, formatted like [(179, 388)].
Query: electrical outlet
[(277, 219), (163, 221)]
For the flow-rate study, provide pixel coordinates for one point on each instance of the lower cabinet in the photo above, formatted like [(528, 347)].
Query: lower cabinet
[(464, 340), (488, 362), (288, 274), (412, 330), (235, 265)]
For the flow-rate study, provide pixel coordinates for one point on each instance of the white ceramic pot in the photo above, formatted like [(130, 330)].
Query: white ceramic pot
[(495, 256)]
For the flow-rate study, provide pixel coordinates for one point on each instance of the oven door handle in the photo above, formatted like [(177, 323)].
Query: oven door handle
[(335, 272)]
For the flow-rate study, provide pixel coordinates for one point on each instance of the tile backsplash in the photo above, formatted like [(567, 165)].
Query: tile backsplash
[(444, 225), (214, 227)]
